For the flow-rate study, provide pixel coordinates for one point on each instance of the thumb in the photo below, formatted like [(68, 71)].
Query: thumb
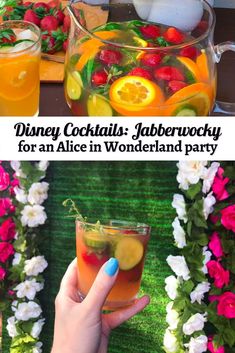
[(102, 285)]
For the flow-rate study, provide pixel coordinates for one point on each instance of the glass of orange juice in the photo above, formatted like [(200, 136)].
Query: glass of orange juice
[(97, 243), (20, 50)]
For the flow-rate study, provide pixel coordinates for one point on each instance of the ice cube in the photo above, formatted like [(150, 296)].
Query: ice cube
[(26, 34), (21, 46)]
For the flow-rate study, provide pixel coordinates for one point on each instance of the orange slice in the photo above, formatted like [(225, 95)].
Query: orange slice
[(203, 67), (134, 95), (196, 97), (90, 48), (191, 66)]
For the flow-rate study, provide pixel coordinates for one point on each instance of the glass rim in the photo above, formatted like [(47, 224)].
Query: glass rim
[(126, 225), (30, 24), (206, 5)]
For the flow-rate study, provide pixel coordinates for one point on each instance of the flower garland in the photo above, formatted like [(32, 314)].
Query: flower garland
[(21, 265), (201, 315)]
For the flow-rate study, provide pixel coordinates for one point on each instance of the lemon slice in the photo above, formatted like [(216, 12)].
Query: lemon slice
[(191, 66), (98, 106), (128, 252), (140, 42), (74, 85)]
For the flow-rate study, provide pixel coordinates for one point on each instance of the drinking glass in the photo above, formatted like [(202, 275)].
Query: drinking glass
[(125, 241)]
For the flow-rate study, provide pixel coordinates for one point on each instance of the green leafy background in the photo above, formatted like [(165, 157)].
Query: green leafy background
[(140, 191)]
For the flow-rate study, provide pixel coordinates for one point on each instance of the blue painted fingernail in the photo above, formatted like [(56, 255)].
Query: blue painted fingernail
[(111, 266)]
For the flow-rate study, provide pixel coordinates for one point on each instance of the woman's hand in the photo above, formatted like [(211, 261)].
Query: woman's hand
[(80, 327)]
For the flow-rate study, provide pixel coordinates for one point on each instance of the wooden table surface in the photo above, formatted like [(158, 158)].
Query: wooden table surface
[(52, 101)]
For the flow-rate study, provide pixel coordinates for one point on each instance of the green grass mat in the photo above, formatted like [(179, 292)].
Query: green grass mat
[(140, 191)]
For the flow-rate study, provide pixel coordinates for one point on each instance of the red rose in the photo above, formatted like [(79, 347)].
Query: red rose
[(4, 179), (2, 273), (6, 250), (7, 230), (226, 305), (6, 206), (218, 273), (228, 217)]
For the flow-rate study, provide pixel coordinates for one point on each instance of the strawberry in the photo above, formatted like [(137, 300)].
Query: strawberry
[(110, 57), (151, 59), (169, 73), (65, 45), (93, 259), (150, 31), (54, 4), (175, 86), (173, 35), (59, 15), (41, 5), (129, 231), (48, 44), (66, 24), (138, 71), (31, 16), (49, 23), (7, 36), (99, 78), (28, 4), (189, 52)]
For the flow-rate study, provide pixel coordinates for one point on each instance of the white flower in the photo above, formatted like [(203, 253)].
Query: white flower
[(15, 165), (197, 345), (20, 194), (208, 176), (32, 216), (179, 204), (35, 265), (37, 348), (14, 305), (172, 284), (43, 165), (208, 203), (37, 328), (194, 323), (207, 256), (27, 311), (179, 266), (172, 317), (197, 295), (17, 258), (179, 234), (38, 193), (28, 289), (11, 327), (170, 342), (190, 172)]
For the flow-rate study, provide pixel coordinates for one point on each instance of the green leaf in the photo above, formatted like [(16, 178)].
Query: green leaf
[(229, 336), (196, 215), (187, 286), (229, 171), (26, 326), (218, 341), (193, 190)]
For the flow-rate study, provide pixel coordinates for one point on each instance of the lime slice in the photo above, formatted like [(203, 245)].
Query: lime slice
[(94, 240), (74, 85), (186, 111), (98, 106), (128, 252), (6, 49)]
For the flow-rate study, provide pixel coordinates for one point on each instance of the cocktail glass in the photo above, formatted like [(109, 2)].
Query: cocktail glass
[(142, 61), (125, 241), (19, 71)]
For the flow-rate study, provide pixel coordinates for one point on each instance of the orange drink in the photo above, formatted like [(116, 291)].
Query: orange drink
[(96, 243), (19, 68)]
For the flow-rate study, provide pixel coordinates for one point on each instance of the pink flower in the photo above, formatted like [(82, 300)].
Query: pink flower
[(6, 206), (7, 230), (6, 250), (219, 184), (228, 217), (213, 298), (15, 182), (215, 245), (4, 179), (210, 347), (214, 219), (226, 305), (2, 273), (11, 293), (218, 273)]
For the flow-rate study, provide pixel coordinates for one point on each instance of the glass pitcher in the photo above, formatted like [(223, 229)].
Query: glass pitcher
[(143, 58)]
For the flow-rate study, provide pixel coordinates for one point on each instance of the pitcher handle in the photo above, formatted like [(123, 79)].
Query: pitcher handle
[(221, 48)]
